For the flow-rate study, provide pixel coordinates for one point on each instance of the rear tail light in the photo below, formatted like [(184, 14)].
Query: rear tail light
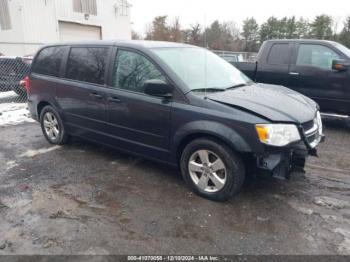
[(26, 83)]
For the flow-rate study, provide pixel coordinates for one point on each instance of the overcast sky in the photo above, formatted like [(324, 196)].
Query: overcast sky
[(191, 11)]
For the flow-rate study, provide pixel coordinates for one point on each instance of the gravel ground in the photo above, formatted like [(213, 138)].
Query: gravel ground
[(87, 199)]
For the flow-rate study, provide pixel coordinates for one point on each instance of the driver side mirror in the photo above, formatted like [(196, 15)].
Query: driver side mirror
[(159, 88), (340, 65)]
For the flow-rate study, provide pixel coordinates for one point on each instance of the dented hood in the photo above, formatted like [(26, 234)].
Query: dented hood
[(276, 103)]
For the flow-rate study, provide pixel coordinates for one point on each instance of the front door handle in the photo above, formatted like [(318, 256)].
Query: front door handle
[(114, 99), (294, 73), (96, 95)]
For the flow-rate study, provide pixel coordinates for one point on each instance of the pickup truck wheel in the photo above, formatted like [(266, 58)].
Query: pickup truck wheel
[(211, 169), (52, 126)]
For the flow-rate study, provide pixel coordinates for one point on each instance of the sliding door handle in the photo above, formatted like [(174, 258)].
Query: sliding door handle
[(114, 99), (96, 95), (294, 73)]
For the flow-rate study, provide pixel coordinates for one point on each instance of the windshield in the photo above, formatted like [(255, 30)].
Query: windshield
[(343, 49), (201, 69)]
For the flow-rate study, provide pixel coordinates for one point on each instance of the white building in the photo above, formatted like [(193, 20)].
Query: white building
[(27, 24)]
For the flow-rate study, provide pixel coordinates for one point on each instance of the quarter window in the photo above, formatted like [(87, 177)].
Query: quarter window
[(87, 64), (131, 70), (278, 54), (49, 61), (316, 55)]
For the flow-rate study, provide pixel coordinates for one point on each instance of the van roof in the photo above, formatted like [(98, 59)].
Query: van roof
[(128, 43)]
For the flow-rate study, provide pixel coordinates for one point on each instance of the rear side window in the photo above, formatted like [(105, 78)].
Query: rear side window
[(87, 64), (278, 54), (48, 62)]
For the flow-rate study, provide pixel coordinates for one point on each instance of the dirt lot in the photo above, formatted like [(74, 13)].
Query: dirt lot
[(87, 199)]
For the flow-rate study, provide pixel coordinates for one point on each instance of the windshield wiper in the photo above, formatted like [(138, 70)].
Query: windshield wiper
[(236, 86), (211, 89)]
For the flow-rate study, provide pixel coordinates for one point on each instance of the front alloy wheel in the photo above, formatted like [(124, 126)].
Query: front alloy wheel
[(212, 169), (207, 171)]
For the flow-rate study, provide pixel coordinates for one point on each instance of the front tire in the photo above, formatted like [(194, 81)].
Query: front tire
[(211, 169), (52, 126)]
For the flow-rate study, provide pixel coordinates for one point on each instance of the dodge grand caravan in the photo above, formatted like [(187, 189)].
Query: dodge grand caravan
[(174, 103)]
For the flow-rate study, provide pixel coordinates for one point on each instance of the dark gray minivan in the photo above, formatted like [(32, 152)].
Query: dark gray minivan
[(174, 103)]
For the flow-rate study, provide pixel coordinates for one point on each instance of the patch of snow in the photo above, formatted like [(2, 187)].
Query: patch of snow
[(32, 153), (14, 113), (301, 209), (10, 165), (8, 94), (331, 202)]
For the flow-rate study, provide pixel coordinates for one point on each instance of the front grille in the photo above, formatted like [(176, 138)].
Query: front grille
[(308, 125)]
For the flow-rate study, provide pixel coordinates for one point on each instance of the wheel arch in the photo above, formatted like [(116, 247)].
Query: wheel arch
[(211, 130), (40, 107)]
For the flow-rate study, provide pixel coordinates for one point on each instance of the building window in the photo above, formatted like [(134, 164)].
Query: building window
[(5, 20), (85, 6), (122, 8)]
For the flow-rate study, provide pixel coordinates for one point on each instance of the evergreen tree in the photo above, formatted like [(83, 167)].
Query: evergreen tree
[(250, 34), (321, 27)]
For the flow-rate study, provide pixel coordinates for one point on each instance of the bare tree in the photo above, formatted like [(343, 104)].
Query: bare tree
[(195, 34), (175, 31)]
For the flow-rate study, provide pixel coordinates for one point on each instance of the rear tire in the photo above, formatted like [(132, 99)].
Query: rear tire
[(53, 127), (220, 178)]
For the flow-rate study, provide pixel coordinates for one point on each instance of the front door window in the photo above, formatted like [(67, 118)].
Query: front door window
[(316, 55), (131, 70)]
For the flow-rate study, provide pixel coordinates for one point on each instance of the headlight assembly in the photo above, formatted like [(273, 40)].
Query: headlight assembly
[(277, 134)]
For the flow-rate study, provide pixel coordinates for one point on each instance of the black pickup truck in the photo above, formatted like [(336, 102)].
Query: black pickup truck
[(316, 68)]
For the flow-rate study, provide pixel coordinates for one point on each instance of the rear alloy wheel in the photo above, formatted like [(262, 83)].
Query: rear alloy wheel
[(211, 169), (52, 126)]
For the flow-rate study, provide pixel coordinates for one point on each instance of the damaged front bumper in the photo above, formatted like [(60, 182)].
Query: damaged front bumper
[(281, 162)]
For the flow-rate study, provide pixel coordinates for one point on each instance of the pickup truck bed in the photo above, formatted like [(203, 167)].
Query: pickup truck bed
[(249, 68)]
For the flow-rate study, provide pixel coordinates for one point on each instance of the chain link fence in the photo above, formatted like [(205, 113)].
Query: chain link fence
[(13, 94), (12, 71), (233, 57)]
